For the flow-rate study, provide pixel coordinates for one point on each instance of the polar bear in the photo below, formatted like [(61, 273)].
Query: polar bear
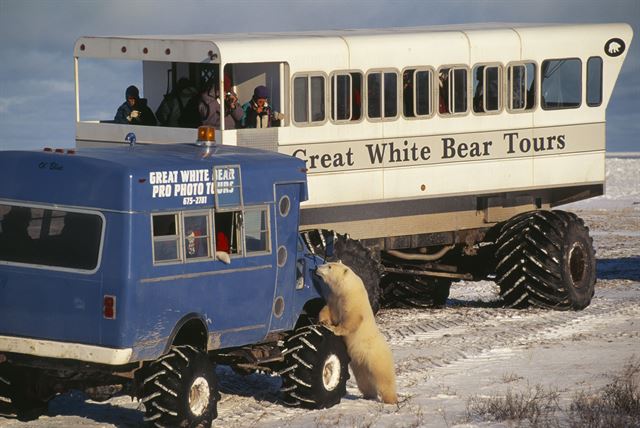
[(348, 313)]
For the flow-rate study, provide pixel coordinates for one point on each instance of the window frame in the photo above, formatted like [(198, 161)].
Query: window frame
[(211, 233), (66, 210), (581, 84), (309, 75), (432, 97), (256, 208), (501, 85), (333, 106), (365, 99), (209, 223), (508, 92), (238, 187), (241, 252), (178, 234), (451, 68)]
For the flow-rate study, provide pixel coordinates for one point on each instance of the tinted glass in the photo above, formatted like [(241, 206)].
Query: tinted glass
[(196, 237), (317, 98), (594, 81), (341, 90), (492, 88), (423, 93), (390, 94), (256, 231), (561, 84), (300, 100), (49, 237), (374, 94)]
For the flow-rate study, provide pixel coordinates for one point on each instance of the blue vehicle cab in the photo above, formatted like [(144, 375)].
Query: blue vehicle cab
[(141, 266)]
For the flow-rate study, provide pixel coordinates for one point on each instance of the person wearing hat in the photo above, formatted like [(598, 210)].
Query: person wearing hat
[(134, 110), (171, 107), (257, 112)]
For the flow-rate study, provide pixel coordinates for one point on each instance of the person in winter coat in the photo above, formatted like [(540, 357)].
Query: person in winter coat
[(257, 111), (209, 107), (134, 110), (173, 104)]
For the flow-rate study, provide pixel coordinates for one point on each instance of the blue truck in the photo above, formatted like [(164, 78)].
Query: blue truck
[(136, 269)]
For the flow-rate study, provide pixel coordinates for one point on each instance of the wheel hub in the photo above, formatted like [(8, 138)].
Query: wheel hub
[(199, 396), (577, 264), (331, 372)]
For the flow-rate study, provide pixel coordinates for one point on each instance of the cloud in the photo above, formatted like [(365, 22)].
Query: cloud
[(6, 103)]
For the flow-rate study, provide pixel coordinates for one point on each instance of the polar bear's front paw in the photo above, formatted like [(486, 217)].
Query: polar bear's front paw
[(330, 327)]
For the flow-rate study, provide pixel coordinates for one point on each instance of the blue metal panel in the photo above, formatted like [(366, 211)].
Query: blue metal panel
[(119, 178), (235, 301), (286, 242), (53, 305)]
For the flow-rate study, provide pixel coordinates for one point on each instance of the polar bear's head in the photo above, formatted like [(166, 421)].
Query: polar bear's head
[(339, 277)]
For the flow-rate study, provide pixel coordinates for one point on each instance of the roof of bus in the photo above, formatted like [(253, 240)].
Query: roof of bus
[(217, 37), (120, 178), (339, 48)]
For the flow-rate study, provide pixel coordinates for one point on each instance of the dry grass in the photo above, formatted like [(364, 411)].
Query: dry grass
[(535, 405), (617, 405)]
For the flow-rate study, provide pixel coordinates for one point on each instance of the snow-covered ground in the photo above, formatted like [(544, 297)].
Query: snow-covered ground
[(445, 356)]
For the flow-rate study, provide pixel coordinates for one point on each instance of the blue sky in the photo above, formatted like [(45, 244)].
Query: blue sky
[(37, 38)]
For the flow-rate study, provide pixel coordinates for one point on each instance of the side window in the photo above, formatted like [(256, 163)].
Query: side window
[(166, 238), (308, 99), (228, 227), (47, 237), (521, 86), (382, 95), (416, 92), (561, 84), (453, 90), (196, 235), (256, 230), (594, 81), (346, 97), (486, 88)]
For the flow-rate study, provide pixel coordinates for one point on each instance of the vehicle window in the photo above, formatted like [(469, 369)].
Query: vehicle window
[(416, 93), (196, 236), (228, 186), (521, 86), (453, 90), (561, 84), (486, 89), (382, 95), (308, 99), (594, 81), (228, 228), (49, 237), (346, 92), (166, 238), (256, 230)]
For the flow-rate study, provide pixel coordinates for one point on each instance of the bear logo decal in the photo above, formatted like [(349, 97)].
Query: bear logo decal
[(614, 47)]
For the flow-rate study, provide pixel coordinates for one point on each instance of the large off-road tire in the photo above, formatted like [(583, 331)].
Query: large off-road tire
[(16, 395), (316, 368), (408, 291), (353, 254), (360, 259), (545, 259), (6, 394), (180, 389)]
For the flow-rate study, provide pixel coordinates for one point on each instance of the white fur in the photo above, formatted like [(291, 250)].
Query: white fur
[(348, 313)]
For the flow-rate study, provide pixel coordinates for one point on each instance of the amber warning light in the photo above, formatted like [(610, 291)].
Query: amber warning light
[(206, 135)]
